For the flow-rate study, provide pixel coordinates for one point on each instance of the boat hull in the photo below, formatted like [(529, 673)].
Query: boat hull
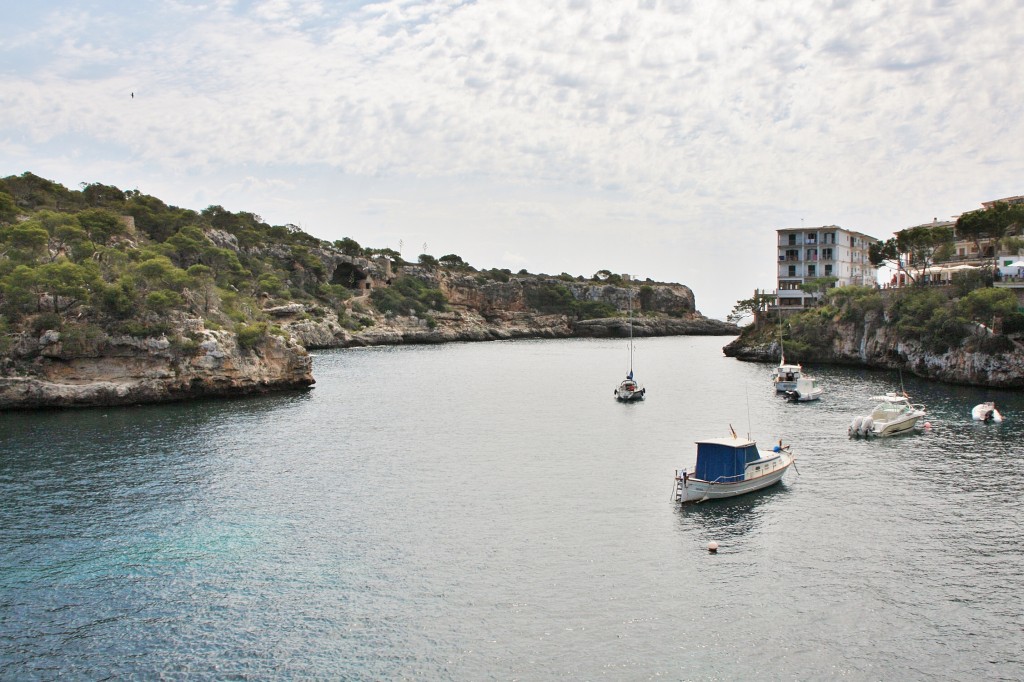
[(689, 489), (986, 412), (896, 428)]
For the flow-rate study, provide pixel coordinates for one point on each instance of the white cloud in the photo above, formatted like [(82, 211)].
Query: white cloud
[(656, 118)]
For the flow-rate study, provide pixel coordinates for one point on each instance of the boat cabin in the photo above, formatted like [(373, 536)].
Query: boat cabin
[(725, 460)]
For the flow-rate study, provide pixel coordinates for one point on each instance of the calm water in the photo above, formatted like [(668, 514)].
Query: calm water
[(488, 511)]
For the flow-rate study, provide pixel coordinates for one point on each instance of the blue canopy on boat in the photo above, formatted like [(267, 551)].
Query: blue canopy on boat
[(724, 459)]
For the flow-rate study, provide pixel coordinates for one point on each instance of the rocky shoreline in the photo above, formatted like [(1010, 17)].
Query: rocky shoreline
[(468, 326), (49, 371), (44, 372), (875, 345)]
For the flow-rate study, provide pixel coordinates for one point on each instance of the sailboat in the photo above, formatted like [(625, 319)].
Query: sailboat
[(629, 389), (785, 376)]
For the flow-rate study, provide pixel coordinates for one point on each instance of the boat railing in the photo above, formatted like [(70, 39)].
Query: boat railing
[(729, 479)]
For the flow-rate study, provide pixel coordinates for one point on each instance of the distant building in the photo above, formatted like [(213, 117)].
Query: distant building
[(1008, 200), (808, 253)]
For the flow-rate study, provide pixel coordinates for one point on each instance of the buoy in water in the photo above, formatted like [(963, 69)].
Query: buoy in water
[(713, 547)]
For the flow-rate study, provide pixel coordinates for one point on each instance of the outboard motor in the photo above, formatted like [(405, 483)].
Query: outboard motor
[(865, 426), (854, 429)]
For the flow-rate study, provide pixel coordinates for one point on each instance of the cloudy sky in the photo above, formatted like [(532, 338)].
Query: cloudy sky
[(662, 138)]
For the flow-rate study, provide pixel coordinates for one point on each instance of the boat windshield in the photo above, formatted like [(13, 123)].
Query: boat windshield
[(890, 410)]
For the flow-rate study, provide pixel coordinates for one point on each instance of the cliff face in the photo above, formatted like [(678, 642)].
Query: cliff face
[(489, 297), (494, 310), (45, 371), (875, 344)]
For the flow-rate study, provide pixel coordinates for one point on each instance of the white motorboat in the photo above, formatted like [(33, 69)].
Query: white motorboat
[(986, 412), (629, 389), (806, 389), (727, 467), (893, 414), (785, 376)]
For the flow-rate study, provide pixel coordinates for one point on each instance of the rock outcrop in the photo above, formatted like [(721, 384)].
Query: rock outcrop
[(875, 344), (48, 372)]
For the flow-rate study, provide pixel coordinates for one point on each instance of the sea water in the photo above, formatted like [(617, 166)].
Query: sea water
[(489, 511)]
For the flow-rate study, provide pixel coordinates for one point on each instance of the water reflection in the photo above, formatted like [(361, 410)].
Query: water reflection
[(732, 517)]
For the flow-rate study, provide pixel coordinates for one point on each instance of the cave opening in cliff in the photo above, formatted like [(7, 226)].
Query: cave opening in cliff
[(348, 275)]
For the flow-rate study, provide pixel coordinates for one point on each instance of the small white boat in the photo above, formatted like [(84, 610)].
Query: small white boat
[(727, 467), (986, 412), (894, 414), (785, 376), (806, 389), (630, 389)]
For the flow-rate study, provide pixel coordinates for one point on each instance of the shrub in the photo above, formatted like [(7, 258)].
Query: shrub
[(549, 298), (143, 329), (250, 335), (589, 310), (118, 299), (646, 297), (853, 303), (408, 295), (81, 340), (163, 300), (44, 321)]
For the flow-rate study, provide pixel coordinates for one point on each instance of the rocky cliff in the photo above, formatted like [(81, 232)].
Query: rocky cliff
[(874, 343), (497, 310), (51, 370)]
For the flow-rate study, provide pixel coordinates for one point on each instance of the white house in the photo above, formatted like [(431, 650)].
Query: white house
[(808, 253)]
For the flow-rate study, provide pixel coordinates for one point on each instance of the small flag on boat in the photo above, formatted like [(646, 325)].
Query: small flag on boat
[(630, 375)]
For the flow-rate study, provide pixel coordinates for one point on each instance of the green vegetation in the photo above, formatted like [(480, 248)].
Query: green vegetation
[(100, 260), (557, 299), (939, 318), (408, 296)]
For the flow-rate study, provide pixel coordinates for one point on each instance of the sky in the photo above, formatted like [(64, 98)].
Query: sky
[(666, 139)]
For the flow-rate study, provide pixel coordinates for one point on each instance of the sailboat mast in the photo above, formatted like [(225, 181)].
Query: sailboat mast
[(629, 312)]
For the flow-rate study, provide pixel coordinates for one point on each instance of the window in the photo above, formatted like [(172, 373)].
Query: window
[(811, 270), (792, 239), (828, 270), (792, 254), (826, 254), (792, 271), (812, 238), (812, 254)]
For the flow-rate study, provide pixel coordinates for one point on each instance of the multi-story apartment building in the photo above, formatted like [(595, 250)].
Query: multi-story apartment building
[(808, 253)]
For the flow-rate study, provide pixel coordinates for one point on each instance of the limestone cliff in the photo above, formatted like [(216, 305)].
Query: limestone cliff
[(50, 371), (497, 310), (875, 343)]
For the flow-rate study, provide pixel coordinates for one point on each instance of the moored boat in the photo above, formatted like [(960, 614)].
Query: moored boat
[(986, 412), (785, 376), (732, 466), (807, 389), (629, 389), (893, 414)]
